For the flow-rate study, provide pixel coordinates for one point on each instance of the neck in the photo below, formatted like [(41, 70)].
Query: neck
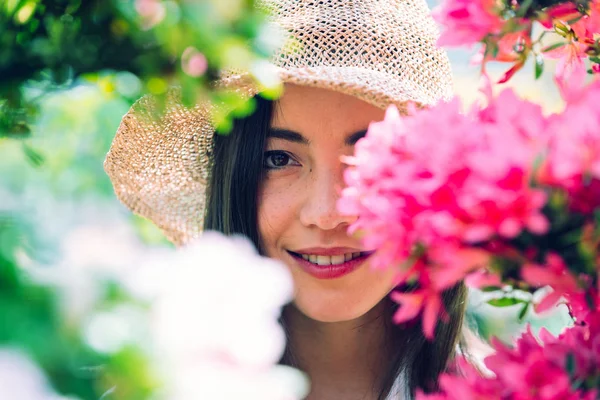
[(342, 359)]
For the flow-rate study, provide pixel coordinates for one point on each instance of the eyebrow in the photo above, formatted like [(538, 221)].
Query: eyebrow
[(296, 137)]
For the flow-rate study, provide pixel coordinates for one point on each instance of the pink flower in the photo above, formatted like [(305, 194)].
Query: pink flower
[(442, 268), (440, 180), (512, 47), (152, 12), (587, 25), (580, 35), (466, 21), (525, 370), (585, 306), (193, 62), (412, 304), (554, 273), (471, 385), (563, 12), (587, 29), (573, 159), (570, 60), (482, 278), (448, 265), (530, 370)]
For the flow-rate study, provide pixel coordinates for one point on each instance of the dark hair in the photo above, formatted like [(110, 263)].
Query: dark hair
[(232, 209)]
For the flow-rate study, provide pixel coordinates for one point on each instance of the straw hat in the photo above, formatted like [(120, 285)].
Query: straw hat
[(380, 51)]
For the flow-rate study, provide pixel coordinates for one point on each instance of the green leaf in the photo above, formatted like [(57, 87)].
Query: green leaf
[(33, 155), (570, 364), (595, 59), (574, 20), (491, 49), (539, 66), (553, 47), (590, 300), (491, 289), (11, 6), (505, 302), (597, 224), (524, 7), (523, 312)]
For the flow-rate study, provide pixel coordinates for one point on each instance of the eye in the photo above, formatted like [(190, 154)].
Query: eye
[(278, 159)]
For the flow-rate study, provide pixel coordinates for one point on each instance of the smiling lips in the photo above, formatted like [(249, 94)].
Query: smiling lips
[(330, 260), (329, 263)]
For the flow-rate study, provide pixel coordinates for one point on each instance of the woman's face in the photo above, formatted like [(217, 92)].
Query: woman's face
[(298, 219)]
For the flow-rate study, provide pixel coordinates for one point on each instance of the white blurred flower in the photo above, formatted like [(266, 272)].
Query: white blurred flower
[(21, 379), (109, 331), (266, 74), (270, 37), (215, 320), (211, 381)]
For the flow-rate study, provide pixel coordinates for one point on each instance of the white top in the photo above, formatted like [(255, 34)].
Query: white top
[(398, 391)]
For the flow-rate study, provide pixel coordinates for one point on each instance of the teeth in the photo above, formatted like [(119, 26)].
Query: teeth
[(330, 260), (323, 260), (335, 260)]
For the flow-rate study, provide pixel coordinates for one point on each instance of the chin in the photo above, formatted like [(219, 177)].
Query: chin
[(328, 312)]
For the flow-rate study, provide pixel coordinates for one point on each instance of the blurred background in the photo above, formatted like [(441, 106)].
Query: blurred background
[(57, 207)]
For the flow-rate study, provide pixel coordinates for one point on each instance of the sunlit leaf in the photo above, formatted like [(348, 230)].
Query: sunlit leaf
[(505, 301)]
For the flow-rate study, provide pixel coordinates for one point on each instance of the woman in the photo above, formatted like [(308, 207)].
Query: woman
[(277, 177)]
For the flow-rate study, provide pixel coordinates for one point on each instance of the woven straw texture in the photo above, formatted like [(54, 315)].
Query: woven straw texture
[(380, 51)]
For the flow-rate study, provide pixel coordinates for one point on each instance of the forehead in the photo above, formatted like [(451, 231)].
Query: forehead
[(310, 111)]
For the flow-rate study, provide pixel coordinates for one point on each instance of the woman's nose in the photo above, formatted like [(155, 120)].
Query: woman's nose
[(320, 204)]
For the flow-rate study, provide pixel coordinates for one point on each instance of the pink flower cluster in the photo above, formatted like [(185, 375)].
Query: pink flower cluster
[(580, 35), (573, 161), (566, 367), (585, 26), (507, 34), (442, 181), (442, 194)]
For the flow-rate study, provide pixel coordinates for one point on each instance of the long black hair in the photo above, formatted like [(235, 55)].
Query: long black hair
[(232, 209)]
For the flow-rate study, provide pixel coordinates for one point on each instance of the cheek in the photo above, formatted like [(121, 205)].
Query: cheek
[(277, 214)]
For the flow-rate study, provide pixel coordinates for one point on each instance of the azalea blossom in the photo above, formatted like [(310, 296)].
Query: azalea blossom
[(573, 159), (580, 32), (570, 58), (441, 181), (467, 22), (587, 28), (554, 273), (560, 12), (513, 47), (532, 369)]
